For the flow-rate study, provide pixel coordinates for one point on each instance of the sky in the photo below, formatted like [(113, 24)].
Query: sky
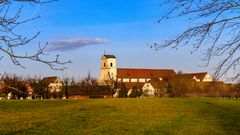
[(82, 30)]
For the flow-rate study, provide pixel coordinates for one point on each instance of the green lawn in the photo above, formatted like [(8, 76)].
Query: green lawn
[(121, 116)]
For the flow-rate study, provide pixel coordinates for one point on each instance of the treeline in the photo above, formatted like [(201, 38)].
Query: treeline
[(36, 88), (21, 87)]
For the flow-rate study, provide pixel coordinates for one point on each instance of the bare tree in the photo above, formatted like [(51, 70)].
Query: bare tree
[(11, 41), (216, 27)]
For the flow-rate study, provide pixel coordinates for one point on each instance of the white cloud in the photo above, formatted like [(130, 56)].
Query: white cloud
[(74, 43)]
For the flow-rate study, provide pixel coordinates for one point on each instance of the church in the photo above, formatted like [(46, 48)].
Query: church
[(111, 73)]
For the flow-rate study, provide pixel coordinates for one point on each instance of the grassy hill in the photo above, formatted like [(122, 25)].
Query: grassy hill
[(121, 116)]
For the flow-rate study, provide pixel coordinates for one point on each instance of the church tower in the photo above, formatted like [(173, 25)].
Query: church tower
[(108, 71)]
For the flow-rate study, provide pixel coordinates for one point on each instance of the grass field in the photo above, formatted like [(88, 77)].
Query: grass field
[(121, 116)]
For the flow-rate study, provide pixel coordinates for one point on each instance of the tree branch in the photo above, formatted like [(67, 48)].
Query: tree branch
[(219, 30), (10, 41)]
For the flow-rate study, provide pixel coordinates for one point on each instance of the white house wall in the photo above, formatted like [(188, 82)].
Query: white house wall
[(207, 78), (148, 88), (55, 86)]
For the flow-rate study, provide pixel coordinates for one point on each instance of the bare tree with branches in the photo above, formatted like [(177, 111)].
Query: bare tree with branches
[(10, 40), (216, 28)]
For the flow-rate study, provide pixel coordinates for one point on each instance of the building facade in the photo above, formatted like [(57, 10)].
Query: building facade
[(108, 71), (198, 77), (54, 83)]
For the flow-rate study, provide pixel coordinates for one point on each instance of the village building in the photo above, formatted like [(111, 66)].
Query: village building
[(53, 84), (79, 92), (198, 77), (110, 73), (155, 87), (76, 92)]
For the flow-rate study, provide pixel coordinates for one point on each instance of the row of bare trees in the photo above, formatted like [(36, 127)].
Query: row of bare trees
[(18, 87), (88, 86)]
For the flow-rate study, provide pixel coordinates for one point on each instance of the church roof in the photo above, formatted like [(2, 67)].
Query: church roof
[(109, 56), (145, 73)]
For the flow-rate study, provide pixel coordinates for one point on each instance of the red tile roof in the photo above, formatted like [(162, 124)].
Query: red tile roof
[(191, 75), (144, 73), (200, 76)]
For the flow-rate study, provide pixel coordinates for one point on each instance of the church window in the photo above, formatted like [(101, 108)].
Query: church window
[(104, 64), (111, 64)]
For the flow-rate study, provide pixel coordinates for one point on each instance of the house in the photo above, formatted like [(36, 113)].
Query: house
[(130, 86), (155, 87), (78, 92), (198, 77), (75, 92), (110, 73), (53, 84)]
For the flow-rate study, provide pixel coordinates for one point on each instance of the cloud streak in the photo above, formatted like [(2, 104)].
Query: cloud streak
[(74, 43)]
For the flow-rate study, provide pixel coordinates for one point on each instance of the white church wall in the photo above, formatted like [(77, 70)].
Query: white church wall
[(125, 80), (134, 80), (142, 80)]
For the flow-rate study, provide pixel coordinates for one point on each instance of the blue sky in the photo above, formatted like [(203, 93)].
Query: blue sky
[(80, 30)]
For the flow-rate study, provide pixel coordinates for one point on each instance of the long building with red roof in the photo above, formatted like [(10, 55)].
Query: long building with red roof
[(110, 73)]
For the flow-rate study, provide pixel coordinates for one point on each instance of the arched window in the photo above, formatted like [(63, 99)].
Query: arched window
[(104, 64), (111, 64)]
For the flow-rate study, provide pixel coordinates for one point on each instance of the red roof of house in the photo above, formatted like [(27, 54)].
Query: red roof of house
[(144, 73), (191, 75), (48, 80)]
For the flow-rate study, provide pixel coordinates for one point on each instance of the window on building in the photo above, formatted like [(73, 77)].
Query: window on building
[(111, 64), (104, 64)]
